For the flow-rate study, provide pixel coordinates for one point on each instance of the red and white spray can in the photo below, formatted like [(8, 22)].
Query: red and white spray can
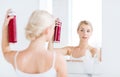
[(57, 31), (12, 34)]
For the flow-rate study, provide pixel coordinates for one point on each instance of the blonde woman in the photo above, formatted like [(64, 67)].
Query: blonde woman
[(83, 50), (83, 56), (35, 60)]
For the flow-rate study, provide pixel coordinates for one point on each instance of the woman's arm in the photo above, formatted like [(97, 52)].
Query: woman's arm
[(96, 53), (65, 50), (61, 66), (99, 55), (5, 44)]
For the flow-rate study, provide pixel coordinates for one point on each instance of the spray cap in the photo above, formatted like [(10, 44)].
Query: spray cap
[(58, 22), (11, 12)]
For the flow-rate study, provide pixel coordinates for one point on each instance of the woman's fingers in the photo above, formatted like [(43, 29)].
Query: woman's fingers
[(8, 17)]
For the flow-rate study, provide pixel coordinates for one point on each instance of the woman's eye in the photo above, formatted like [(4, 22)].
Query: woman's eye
[(81, 30), (88, 30)]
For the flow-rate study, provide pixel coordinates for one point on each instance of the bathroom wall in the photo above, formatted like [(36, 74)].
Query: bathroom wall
[(111, 37)]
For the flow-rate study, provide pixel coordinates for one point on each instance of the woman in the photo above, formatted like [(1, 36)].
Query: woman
[(35, 60), (84, 57), (83, 50)]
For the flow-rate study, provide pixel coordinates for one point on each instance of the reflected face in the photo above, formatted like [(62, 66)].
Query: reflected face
[(84, 31)]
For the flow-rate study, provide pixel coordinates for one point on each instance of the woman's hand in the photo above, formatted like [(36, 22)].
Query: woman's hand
[(50, 44), (7, 18)]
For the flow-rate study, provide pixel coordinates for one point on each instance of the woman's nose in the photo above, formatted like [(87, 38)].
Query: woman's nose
[(85, 32)]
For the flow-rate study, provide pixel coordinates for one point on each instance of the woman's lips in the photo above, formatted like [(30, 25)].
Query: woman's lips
[(84, 37)]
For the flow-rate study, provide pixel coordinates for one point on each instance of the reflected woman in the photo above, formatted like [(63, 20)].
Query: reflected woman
[(83, 51), (85, 54), (36, 60)]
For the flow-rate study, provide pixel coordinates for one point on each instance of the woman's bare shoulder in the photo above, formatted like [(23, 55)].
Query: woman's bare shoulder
[(94, 50), (69, 49)]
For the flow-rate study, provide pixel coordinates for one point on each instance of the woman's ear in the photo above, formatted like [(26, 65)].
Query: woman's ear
[(48, 33), (47, 30)]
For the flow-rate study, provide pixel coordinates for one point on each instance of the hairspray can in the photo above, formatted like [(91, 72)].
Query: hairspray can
[(57, 31), (12, 37)]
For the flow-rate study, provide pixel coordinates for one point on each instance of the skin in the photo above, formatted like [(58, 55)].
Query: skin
[(84, 33), (35, 58)]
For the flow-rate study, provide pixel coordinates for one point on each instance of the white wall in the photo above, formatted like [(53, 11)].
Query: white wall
[(46, 5), (111, 37), (23, 9)]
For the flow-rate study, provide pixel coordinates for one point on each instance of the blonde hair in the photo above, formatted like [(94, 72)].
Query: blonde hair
[(85, 23), (38, 21)]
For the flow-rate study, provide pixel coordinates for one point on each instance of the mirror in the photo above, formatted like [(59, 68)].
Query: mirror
[(71, 13)]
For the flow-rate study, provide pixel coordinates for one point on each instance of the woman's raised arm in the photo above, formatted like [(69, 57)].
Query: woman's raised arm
[(5, 44)]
